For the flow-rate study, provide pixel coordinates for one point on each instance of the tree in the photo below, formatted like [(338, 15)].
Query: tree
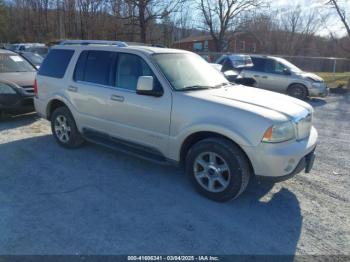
[(3, 23), (341, 13), (298, 26), (146, 11), (220, 15)]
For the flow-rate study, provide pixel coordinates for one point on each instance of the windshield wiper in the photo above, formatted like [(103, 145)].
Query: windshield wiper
[(195, 87)]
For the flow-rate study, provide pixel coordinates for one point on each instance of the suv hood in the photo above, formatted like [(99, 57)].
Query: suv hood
[(19, 78), (257, 99)]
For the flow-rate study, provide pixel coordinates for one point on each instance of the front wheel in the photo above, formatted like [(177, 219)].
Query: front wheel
[(298, 91), (218, 169), (64, 128)]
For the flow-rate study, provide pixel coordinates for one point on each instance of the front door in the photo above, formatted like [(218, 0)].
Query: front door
[(275, 76), (138, 118)]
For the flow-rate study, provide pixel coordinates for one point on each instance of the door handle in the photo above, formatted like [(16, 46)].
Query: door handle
[(256, 75), (117, 98), (265, 77), (72, 89)]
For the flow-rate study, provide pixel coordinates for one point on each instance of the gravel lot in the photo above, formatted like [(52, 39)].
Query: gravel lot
[(96, 201)]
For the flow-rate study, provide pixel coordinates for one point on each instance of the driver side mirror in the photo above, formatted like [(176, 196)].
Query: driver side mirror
[(145, 86)]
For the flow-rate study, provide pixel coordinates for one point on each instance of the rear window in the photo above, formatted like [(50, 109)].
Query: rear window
[(56, 63)]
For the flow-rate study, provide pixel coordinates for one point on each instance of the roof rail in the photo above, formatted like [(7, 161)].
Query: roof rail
[(93, 42)]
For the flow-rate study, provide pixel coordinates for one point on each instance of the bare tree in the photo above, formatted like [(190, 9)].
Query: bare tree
[(219, 16), (341, 13), (3, 24), (150, 10), (298, 28)]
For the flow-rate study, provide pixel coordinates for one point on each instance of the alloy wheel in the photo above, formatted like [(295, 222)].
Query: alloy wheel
[(62, 129), (212, 172)]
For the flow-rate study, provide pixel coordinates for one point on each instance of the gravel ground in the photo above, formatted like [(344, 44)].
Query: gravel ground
[(96, 201)]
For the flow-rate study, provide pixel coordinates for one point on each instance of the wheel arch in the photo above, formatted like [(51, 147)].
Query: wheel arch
[(53, 105), (194, 138)]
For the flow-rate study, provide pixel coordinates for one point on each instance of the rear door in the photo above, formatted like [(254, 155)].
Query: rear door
[(89, 89)]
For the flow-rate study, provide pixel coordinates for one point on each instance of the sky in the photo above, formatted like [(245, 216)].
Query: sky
[(334, 24)]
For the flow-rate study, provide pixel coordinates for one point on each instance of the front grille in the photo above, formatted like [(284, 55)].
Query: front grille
[(28, 89), (304, 126)]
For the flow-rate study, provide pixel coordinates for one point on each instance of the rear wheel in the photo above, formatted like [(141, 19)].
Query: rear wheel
[(218, 169), (64, 128), (298, 91)]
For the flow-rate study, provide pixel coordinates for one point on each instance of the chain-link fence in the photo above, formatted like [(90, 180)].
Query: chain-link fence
[(320, 64)]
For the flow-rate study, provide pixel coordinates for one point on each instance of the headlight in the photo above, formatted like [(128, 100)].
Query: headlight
[(6, 89), (279, 133)]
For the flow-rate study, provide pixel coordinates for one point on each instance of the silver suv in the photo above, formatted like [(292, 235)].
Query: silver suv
[(278, 75), (170, 106)]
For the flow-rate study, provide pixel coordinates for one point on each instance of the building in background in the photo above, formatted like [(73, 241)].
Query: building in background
[(239, 42)]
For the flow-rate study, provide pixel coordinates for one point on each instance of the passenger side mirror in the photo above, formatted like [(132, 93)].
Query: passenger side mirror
[(145, 86), (231, 75), (286, 71)]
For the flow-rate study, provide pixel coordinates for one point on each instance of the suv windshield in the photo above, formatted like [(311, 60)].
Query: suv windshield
[(189, 71), (289, 65), (14, 63)]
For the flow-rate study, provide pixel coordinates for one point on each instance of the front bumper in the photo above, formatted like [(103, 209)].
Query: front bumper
[(283, 160), (320, 90), (16, 103), (305, 164)]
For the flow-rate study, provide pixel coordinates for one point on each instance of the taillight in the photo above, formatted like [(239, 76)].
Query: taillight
[(36, 88)]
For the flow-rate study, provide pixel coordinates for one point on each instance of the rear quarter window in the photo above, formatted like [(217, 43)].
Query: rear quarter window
[(56, 63)]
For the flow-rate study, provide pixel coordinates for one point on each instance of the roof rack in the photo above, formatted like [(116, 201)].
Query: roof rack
[(93, 42)]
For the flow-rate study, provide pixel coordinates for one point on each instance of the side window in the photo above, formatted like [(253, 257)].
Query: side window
[(279, 68), (269, 66), (227, 65), (274, 67), (259, 64), (221, 60), (56, 63), (129, 69), (98, 67)]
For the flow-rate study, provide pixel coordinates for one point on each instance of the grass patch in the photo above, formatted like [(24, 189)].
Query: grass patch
[(335, 79)]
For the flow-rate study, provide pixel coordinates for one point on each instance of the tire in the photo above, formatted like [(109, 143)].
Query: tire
[(230, 181), (72, 138), (298, 91)]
